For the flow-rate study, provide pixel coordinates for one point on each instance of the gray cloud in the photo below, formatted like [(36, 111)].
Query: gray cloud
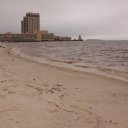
[(90, 18)]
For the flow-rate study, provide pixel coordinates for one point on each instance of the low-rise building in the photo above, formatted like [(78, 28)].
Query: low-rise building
[(31, 37), (10, 37)]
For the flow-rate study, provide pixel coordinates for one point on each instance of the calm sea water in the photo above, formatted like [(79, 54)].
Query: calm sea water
[(92, 53)]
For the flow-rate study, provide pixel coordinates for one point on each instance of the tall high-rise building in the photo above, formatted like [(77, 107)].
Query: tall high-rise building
[(30, 23)]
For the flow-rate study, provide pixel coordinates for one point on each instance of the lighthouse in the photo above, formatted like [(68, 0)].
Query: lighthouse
[(79, 38)]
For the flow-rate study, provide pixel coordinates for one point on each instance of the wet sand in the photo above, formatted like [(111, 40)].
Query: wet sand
[(34, 95)]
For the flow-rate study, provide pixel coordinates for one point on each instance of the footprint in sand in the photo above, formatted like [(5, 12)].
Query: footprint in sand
[(2, 96), (11, 92)]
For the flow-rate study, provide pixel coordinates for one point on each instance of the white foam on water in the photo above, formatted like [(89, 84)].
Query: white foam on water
[(78, 67), (107, 58)]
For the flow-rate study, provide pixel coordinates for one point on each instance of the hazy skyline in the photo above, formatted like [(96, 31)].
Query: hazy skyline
[(105, 19)]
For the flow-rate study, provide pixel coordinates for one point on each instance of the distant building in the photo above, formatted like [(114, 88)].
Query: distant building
[(32, 37), (79, 38), (30, 31), (18, 37), (30, 23)]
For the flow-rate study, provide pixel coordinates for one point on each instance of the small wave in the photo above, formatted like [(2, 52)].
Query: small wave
[(16, 51), (74, 66)]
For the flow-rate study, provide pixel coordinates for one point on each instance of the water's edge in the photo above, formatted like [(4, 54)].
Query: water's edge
[(67, 65), (98, 71)]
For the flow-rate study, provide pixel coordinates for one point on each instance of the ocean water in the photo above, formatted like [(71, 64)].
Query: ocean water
[(106, 56)]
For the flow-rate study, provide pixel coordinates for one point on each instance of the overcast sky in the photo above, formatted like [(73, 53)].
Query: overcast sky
[(105, 19)]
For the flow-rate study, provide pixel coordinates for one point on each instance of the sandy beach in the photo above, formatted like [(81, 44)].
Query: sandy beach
[(34, 95)]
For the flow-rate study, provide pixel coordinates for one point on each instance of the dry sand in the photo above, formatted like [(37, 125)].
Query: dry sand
[(34, 95)]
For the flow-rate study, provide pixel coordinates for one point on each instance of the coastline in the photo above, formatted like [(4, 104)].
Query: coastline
[(112, 73), (49, 96)]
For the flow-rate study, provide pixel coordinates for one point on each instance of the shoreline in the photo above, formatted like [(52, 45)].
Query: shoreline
[(40, 93), (120, 75), (111, 73)]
